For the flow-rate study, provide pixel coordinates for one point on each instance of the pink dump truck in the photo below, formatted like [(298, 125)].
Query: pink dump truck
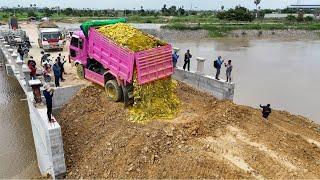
[(102, 61)]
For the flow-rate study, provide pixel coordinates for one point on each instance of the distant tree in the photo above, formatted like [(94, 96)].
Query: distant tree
[(164, 9), (300, 16), (222, 7), (141, 11), (68, 11), (181, 11), (308, 18), (47, 12), (237, 14), (291, 18), (172, 10), (257, 2), (31, 14)]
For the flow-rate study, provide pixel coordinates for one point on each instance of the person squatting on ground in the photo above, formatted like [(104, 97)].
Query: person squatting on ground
[(44, 58), (187, 57), (266, 111), (217, 64), (48, 94), (32, 66), (61, 65), (228, 70), (175, 58), (46, 72), (57, 73)]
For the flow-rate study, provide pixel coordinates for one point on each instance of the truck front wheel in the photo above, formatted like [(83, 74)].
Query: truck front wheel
[(113, 90), (80, 71)]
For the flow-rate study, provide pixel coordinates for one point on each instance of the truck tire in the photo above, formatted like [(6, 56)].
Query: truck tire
[(127, 95), (80, 71), (113, 90)]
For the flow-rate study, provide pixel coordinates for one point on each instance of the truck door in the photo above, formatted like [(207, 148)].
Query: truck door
[(76, 49)]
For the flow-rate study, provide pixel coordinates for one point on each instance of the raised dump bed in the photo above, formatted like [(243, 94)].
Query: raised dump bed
[(102, 60)]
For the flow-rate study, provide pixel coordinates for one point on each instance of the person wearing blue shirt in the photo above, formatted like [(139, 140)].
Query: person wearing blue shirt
[(48, 94), (218, 65), (57, 73), (175, 58)]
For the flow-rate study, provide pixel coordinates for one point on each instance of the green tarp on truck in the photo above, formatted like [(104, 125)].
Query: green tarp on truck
[(86, 25)]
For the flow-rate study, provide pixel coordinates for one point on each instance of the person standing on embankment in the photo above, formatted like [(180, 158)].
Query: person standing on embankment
[(175, 58), (48, 94), (187, 58), (32, 66), (217, 64), (57, 73), (228, 70), (61, 65)]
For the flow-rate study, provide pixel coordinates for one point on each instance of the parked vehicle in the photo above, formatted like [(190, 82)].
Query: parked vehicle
[(50, 37), (102, 61), (13, 23), (16, 37)]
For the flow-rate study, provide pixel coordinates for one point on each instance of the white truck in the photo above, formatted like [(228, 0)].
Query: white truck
[(50, 37)]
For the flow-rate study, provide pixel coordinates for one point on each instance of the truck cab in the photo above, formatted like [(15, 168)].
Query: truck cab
[(50, 38), (78, 48)]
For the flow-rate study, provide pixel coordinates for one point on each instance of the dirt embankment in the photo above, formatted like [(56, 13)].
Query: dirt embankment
[(208, 139)]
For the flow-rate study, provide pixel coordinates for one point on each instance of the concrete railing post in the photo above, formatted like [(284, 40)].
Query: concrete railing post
[(14, 57), (200, 65), (20, 63), (10, 51), (1, 49), (1, 42), (36, 84), (26, 73), (6, 52)]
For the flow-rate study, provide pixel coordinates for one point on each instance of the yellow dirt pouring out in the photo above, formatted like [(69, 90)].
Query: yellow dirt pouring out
[(156, 100)]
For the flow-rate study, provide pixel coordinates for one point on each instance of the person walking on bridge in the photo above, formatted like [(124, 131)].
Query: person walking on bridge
[(217, 64), (187, 57)]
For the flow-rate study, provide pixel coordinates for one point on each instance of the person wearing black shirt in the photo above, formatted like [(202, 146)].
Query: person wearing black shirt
[(48, 94), (266, 111)]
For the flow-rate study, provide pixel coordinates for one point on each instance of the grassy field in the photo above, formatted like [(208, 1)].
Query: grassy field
[(216, 27), (221, 29)]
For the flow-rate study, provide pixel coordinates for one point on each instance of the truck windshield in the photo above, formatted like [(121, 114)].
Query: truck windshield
[(49, 36)]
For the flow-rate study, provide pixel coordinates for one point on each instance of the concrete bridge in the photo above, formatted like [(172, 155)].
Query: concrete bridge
[(48, 137)]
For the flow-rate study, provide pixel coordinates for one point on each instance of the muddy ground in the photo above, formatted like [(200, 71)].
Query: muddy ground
[(208, 139)]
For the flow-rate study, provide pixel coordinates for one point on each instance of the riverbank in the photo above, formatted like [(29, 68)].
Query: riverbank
[(208, 139), (242, 29)]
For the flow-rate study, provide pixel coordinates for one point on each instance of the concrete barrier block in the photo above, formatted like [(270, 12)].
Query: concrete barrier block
[(217, 88)]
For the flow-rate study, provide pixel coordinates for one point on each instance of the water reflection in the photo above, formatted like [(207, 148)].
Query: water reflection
[(17, 153)]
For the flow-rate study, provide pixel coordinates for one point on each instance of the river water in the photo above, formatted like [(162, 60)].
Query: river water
[(17, 152), (285, 74)]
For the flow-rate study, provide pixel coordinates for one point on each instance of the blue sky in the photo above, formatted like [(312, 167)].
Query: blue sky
[(154, 4)]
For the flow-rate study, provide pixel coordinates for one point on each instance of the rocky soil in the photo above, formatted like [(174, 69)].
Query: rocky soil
[(208, 139)]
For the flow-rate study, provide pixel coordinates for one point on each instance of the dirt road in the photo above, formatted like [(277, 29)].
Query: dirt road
[(35, 51), (208, 139)]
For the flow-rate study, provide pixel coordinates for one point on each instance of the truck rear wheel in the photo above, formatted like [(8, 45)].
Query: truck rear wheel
[(127, 95), (80, 71), (113, 90)]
